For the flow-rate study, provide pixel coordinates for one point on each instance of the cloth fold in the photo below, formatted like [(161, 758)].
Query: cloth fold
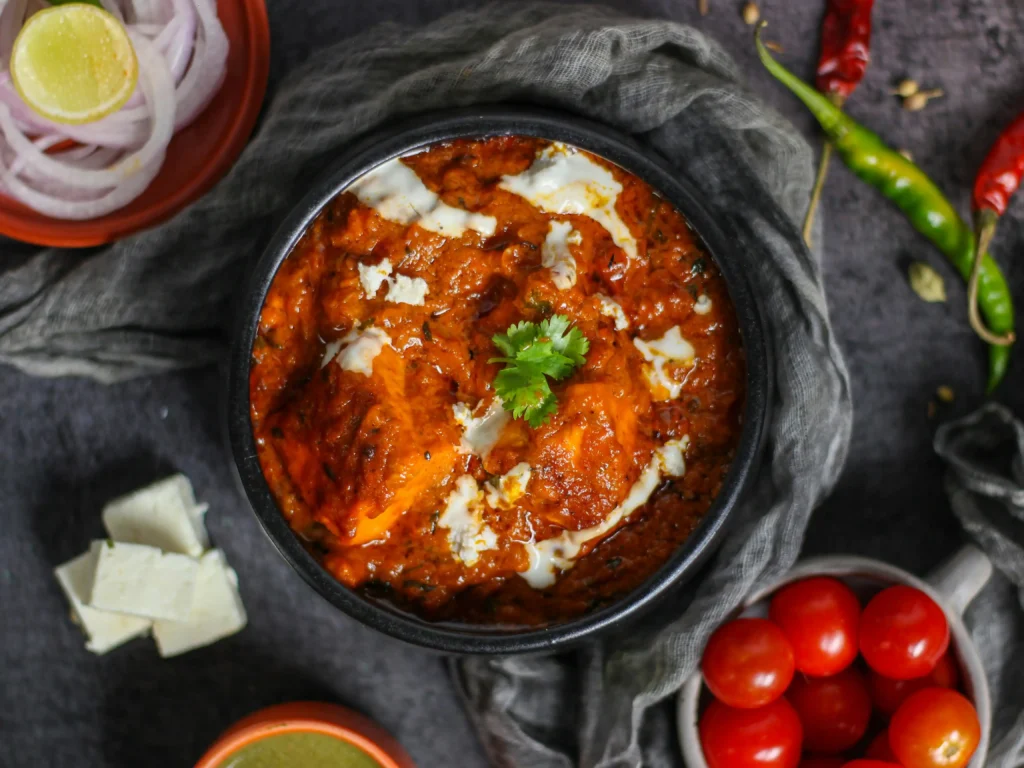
[(984, 453), (160, 300)]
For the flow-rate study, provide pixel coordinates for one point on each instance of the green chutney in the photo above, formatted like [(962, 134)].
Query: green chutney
[(299, 749)]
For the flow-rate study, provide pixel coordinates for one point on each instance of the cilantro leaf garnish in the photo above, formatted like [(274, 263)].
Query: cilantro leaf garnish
[(533, 353)]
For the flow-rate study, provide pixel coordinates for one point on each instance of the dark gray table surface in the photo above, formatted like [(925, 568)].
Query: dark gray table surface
[(66, 446)]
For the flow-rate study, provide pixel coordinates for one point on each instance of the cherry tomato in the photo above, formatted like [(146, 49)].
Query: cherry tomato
[(935, 728), (903, 633), (879, 749), (821, 762), (748, 663), (820, 617), (871, 764), (834, 711), (946, 673), (768, 737), (888, 694)]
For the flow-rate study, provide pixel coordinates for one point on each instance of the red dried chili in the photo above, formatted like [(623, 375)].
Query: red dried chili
[(1001, 173), (845, 48), (845, 53), (998, 178)]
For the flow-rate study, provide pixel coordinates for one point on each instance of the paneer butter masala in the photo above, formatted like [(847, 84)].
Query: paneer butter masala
[(384, 437)]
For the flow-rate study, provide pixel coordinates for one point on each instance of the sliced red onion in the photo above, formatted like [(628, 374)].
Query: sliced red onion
[(190, 48), (59, 207), (182, 52), (151, 11), (207, 71), (98, 158), (41, 142), (177, 48), (149, 30), (125, 180), (152, 72), (175, 40)]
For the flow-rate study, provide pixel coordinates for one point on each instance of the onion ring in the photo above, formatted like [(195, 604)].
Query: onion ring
[(182, 52)]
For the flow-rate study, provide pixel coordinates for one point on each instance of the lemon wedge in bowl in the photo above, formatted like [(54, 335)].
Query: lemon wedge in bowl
[(74, 63)]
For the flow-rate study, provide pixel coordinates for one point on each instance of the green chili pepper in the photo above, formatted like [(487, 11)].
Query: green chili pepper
[(907, 186)]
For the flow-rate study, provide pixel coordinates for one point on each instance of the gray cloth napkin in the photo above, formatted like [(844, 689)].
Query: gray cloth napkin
[(985, 482), (159, 300)]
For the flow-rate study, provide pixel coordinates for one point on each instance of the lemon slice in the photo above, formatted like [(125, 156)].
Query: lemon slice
[(74, 63)]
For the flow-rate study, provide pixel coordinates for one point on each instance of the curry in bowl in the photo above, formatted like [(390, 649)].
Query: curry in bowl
[(497, 381)]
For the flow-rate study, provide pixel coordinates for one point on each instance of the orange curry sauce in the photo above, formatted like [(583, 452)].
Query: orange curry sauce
[(361, 466)]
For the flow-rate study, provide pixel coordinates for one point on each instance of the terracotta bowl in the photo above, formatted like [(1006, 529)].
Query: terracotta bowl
[(309, 717)]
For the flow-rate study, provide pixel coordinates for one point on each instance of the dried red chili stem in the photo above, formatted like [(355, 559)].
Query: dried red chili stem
[(845, 53), (819, 184), (985, 232), (998, 178), (819, 180)]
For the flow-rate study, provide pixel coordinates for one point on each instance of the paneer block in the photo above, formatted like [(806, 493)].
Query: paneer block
[(105, 630), (143, 581), (216, 612), (163, 515)]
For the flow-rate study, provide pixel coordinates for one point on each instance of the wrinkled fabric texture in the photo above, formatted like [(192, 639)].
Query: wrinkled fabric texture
[(984, 453), (160, 300), (680, 94)]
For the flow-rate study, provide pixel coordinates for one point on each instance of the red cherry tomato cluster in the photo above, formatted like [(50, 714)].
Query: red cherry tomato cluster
[(790, 691)]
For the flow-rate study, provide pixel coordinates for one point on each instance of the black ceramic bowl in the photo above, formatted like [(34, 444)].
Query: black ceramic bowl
[(419, 134)]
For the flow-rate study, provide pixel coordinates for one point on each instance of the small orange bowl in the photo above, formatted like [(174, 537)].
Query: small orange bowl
[(309, 717), (197, 157)]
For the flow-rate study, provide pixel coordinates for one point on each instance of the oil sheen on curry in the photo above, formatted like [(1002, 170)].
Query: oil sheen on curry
[(385, 397)]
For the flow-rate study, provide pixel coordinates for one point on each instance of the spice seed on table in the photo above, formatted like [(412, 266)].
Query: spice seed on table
[(906, 88), (926, 282), (919, 100), (751, 14)]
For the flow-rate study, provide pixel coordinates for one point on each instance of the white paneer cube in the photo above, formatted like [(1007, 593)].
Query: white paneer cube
[(105, 630), (216, 613), (143, 581), (163, 515)]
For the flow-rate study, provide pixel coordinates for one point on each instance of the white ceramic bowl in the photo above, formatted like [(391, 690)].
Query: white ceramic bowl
[(953, 585)]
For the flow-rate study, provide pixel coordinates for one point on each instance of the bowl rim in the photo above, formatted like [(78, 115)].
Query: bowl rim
[(416, 134), (308, 717), (68, 233)]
